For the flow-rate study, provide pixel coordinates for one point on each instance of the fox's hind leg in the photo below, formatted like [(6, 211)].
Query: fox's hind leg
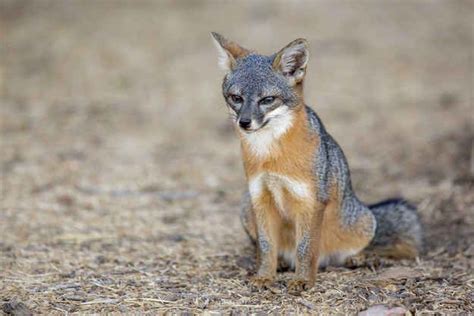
[(348, 227)]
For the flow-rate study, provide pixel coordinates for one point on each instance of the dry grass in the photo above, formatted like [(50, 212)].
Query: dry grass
[(121, 178)]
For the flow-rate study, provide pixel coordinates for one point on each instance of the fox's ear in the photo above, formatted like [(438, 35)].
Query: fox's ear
[(291, 61), (229, 51)]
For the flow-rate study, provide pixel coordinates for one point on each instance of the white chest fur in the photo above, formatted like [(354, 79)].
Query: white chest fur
[(277, 184), (263, 141)]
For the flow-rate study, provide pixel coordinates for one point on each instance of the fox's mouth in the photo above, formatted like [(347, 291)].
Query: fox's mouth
[(253, 130)]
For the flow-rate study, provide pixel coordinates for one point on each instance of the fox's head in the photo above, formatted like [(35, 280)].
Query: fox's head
[(261, 91)]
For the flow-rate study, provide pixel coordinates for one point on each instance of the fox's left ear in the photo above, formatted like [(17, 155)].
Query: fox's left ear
[(229, 51), (291, 61)]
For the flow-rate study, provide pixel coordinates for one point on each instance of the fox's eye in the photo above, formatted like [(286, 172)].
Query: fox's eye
[(236, 98), (266, 101)]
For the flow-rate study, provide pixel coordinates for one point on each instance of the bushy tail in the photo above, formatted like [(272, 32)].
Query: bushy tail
[(399, 232)]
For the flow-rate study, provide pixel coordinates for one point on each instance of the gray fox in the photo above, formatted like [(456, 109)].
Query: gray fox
[(299, 207)]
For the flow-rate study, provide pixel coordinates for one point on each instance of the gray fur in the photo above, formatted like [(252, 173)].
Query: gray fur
[(263, 243), (331, 168), (303, 247), (397, 221), (253, 78)]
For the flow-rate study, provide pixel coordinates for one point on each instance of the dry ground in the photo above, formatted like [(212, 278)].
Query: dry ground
[(121, 177)]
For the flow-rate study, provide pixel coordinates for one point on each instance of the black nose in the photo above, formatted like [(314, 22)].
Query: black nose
[(245, 123)]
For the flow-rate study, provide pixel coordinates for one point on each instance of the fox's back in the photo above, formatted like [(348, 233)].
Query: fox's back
[(330, 163)]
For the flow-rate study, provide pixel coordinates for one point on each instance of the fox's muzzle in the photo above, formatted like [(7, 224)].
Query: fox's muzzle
[(245, 119)]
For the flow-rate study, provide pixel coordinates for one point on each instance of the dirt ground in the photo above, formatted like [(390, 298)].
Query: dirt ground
[(121, 176)]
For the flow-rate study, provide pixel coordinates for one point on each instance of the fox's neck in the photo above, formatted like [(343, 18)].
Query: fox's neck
[(285, 136)]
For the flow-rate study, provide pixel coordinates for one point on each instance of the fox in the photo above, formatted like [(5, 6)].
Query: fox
[(299, 208)]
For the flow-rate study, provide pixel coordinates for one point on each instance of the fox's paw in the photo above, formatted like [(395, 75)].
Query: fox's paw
[(259, 282), (296, 286)]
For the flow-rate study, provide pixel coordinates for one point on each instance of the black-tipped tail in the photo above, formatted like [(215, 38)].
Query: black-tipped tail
[(399, 232)]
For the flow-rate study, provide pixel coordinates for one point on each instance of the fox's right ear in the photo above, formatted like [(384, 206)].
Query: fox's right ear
[(228, 51), (291, 61)]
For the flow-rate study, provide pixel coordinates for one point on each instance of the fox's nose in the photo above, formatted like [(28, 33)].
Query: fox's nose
[(245, 123)]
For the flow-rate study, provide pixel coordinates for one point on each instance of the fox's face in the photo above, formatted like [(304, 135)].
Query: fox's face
[(262, 91)]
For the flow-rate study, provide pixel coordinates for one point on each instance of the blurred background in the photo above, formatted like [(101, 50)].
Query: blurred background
[(116, 147)]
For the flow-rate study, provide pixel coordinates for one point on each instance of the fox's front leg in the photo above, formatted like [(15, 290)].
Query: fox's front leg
[(308, 238), (267, 222)]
